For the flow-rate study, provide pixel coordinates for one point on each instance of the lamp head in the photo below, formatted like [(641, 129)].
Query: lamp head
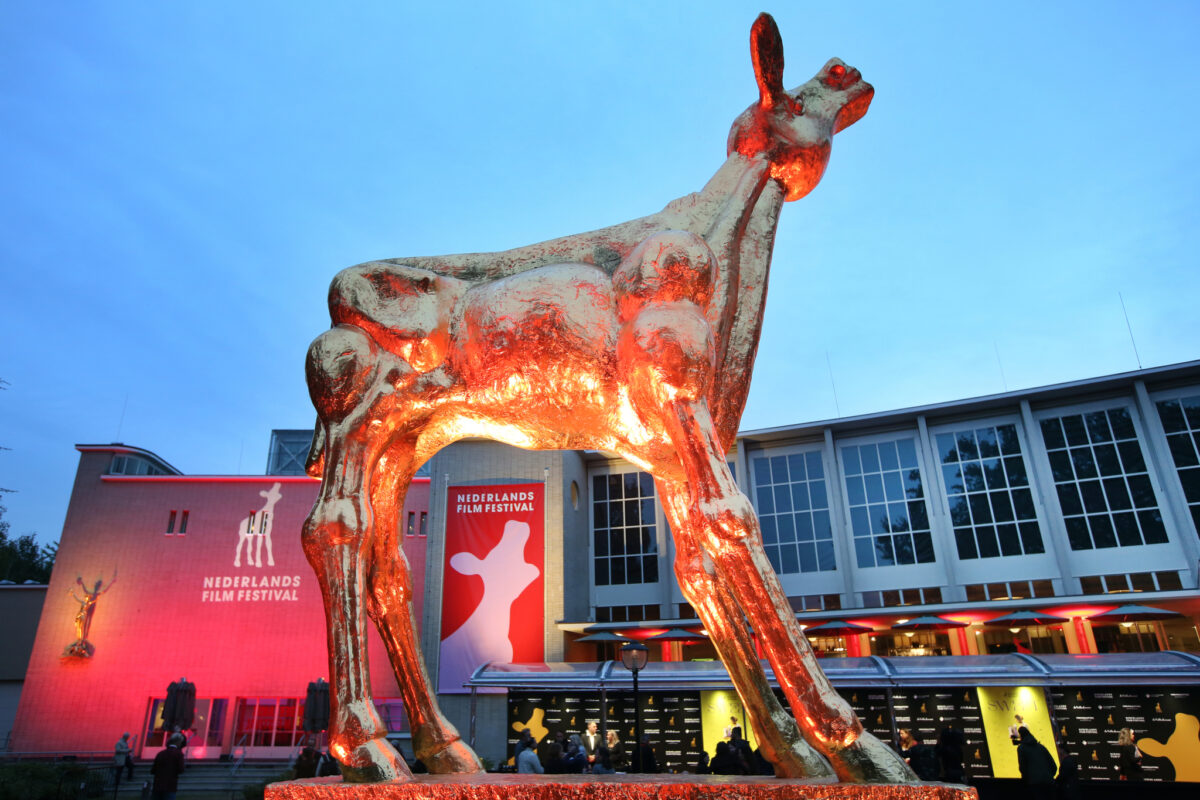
[(634, 656)]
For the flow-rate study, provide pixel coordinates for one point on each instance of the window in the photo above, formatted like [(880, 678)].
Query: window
[(816, 602), (793, 511), (269, 721), (411, 528), (183, 521), (1181, 422), (987, 490), (627, 613), (887, 504), (1100, 475), (1132, 582), (424, 529), (624, 532), (1010, 590), (132, 465), (892, 598), (171, 523)]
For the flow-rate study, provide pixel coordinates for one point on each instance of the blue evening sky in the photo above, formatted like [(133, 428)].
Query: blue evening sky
[(183, 179)]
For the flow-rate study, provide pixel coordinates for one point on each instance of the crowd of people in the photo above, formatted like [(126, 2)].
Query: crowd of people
[(591, 752)]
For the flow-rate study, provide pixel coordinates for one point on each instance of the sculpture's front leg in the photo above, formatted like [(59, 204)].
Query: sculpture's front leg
[(728, 527), (334, 538), (777, 733)]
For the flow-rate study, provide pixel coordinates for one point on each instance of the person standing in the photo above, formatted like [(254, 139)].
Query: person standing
[(1068, 775), (950, 747), (527, 762), (591, 742), (1130, 758), (1036, 764), (603, 764), (122, 758), (167, 767), (616, 751), (921, 757), (647, 760)]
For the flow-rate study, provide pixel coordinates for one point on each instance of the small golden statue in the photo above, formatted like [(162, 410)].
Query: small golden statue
[(81, 647)]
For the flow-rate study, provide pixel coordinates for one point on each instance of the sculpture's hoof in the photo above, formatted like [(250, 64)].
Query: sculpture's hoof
[(454, 758), (869, 760), (375, 762)]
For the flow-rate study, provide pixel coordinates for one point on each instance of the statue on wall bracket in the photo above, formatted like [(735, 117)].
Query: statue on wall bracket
[(81, 647), (637, 339)]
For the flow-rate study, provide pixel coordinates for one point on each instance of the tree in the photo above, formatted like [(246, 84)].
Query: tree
[(21, 559)]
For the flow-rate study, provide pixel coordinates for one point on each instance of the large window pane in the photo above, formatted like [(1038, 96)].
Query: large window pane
[(885, 494), (984, 488), (793, 506), (1181, 420), (1100, 473), (623, 528)]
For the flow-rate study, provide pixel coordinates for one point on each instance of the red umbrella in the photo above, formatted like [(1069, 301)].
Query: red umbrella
[(838, 627), (928, 623), (1134, 613), (677, 635), (1021, 619)]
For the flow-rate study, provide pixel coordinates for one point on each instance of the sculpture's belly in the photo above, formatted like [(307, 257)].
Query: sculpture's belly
[(547, 330)]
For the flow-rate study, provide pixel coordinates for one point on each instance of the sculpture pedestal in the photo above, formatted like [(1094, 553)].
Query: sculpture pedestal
[(608, 787)]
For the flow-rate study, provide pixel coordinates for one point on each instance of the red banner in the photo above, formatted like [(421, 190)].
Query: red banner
[(492, 587)]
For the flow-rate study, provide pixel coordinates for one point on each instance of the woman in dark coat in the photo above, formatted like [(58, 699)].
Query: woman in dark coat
[(1037, 765), (1130, 763)]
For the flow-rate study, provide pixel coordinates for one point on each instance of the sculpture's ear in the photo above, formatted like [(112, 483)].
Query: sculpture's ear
[(766, 49)]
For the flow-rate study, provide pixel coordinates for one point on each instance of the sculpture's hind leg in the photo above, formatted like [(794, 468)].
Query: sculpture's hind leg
[(435, 741), (343, 378), (777, 733), (723, 519)]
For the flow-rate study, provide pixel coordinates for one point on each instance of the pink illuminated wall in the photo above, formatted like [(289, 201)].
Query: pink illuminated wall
[(179, 606)]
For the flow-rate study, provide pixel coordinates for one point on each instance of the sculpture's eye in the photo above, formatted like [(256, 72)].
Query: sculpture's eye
[(837, 71), (796, 105)]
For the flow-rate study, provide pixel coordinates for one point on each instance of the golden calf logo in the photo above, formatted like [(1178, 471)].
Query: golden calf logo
[(254, 531)]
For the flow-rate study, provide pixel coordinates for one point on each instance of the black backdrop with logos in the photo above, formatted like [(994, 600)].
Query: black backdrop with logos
[(1087, 721)]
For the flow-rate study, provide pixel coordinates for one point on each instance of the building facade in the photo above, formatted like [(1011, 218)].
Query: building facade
[(1069, 500)]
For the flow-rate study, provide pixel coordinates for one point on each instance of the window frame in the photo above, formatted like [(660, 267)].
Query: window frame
[(1144, 443), (1033, 476), (625, 594), (751, 491), (913, 576)]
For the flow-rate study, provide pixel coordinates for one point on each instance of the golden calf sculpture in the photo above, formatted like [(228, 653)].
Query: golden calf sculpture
[(636, 339)]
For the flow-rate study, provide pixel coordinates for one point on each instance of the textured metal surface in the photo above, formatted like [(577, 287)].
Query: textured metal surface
[(638, 340), (610, 787)]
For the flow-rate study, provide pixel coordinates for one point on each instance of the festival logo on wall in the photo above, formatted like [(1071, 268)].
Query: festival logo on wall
[(253, 583), (492, 595)]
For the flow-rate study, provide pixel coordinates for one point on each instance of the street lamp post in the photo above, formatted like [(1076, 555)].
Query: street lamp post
[(634, 656)]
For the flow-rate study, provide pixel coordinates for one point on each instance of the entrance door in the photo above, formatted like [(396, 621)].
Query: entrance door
[(204, 739)]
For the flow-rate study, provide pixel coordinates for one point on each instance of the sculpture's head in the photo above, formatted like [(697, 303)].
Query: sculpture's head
[(794, 129)]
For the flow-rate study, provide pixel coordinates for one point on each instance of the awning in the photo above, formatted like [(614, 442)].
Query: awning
[(1012, 669)]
